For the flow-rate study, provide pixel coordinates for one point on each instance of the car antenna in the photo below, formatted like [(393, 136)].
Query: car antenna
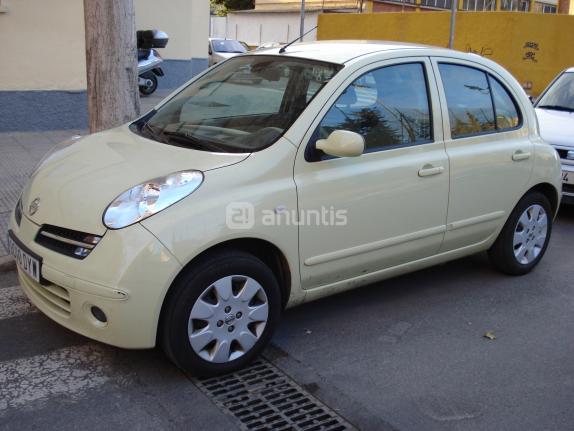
[(283, 48)]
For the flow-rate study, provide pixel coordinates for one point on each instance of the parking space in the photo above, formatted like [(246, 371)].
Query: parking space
[(405, 354)]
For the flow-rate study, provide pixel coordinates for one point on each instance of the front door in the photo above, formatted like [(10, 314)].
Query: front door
[(387, 207)]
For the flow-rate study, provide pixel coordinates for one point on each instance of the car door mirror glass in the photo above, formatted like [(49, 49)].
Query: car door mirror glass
[(342, 143)]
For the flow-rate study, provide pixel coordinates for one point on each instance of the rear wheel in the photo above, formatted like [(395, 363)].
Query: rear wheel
[(525, 236), (150, 83), (221, 313)]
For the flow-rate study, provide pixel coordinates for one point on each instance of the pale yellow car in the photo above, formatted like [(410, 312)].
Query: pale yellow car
[(276, 178)]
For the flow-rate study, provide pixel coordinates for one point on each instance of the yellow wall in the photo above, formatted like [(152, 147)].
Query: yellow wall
[(501, 36), (42, 41)]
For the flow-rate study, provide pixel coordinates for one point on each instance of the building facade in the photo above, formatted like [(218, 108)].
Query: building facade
[(278, 21), (43, 41), (535, 6)]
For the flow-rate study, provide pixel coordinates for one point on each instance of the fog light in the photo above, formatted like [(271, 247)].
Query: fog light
[(98, 314)]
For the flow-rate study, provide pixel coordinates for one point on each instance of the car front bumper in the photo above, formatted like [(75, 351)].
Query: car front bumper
[(126, 276)]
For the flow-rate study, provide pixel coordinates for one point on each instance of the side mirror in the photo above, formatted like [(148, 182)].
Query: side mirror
[(342, 143)]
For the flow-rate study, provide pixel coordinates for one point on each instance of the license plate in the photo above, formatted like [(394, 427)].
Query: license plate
[(26, 260), (568, 177)]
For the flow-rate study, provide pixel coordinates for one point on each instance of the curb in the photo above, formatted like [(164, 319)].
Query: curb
[(7, 263)]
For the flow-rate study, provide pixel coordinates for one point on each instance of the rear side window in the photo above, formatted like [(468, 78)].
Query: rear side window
[(504, 105), (477, 103), (468, 100), (389, 107)]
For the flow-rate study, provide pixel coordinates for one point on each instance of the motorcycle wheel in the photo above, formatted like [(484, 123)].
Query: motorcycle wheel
[(146, 90)]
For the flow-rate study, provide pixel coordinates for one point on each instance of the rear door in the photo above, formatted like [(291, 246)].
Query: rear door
[(488, 146)]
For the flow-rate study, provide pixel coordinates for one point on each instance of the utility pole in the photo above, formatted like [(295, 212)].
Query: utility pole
[(111, 63), (453, 6), (302, 25)]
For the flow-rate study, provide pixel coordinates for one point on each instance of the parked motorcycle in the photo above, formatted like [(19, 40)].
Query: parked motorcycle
[(149, 59)]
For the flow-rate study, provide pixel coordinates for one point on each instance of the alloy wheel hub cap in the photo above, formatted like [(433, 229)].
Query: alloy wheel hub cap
[(228, 318), (530, 234)]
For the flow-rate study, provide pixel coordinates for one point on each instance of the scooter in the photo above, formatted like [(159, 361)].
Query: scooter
[(149, 59)]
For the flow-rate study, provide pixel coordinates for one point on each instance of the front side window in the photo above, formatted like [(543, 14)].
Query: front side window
[(389, 107), (243, 105)]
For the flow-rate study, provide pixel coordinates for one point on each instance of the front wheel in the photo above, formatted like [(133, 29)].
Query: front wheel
[(525, 236), (220, 314)]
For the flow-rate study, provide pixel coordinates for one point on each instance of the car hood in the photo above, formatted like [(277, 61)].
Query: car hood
[(556, 127), (75, 184), (225, 55)]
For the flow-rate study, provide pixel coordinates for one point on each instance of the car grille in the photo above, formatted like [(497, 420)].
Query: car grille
[(54, 297), (563, 154), (69, 242), (568, 188)]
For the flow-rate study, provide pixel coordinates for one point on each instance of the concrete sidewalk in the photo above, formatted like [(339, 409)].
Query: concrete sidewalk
[(20, 152)]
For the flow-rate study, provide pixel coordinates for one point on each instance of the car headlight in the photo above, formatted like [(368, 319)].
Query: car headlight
[(151, 197)]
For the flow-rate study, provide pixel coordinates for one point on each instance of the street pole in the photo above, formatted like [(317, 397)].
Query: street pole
[(302, 25), (453, 5), (111, 63)]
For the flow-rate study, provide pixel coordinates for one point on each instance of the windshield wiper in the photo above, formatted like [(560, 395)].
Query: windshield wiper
[(152, 134), (557, 108), (184, 140)]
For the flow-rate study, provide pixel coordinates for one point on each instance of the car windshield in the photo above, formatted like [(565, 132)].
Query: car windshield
[(242, 105), (228, 45), (560, 96)]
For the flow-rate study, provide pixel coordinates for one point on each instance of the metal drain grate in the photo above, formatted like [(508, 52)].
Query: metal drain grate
[(264, 398)]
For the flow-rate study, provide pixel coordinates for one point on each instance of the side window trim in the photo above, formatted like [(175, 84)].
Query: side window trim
[(490, 74), (426, 65)]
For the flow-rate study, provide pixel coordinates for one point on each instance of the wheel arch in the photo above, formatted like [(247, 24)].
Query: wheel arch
[(550, 192), (266, 251)]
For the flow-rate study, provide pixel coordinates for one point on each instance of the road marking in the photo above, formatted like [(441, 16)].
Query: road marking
[(70, 371), (13, 303)]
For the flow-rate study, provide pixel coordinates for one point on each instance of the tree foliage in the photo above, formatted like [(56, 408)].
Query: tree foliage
[(221, 7)]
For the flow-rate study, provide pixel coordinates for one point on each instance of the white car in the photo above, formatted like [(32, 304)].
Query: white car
[(222, 49), (555, 111), (276, 178)]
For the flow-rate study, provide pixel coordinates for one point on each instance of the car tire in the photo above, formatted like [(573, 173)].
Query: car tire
[(148, 90), (220, 301), (525, 236)]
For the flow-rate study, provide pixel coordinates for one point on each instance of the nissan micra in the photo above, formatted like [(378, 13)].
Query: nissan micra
[(276, 178)]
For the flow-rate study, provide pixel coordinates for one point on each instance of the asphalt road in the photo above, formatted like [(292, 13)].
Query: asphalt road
[(406, 354)]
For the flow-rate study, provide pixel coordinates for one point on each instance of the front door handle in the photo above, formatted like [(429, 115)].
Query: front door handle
[(428, 170), (520, 155)]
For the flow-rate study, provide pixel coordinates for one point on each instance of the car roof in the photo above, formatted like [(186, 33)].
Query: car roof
[(570, 69), (342, 51)]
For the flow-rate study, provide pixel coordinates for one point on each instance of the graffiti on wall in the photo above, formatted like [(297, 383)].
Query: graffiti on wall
[(531, 49), (483, 51)]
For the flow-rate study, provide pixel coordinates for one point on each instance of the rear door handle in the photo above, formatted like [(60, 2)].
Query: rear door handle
[(428, 170), (520, 155)]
